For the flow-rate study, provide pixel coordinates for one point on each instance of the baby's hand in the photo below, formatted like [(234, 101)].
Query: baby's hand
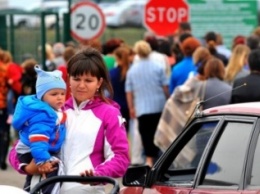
[(47, 167)]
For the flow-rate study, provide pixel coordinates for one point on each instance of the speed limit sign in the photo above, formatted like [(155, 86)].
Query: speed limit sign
[(87, 21)]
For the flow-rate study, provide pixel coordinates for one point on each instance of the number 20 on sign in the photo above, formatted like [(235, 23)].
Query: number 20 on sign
[(87, 21)]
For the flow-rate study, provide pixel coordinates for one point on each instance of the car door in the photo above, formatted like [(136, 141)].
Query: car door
[(175, 172), (224, 165), (252, 177)]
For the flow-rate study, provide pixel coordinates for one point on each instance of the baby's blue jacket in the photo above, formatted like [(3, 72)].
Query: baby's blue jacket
[(38, 128)]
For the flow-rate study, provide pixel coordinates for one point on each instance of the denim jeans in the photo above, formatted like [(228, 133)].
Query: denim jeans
[(10, 102)]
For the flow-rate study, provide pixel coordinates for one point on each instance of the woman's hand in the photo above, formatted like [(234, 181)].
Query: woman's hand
[(88, 173)]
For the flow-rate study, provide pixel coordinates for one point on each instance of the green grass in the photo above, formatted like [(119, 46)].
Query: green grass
[(27, 40), (129, 35)]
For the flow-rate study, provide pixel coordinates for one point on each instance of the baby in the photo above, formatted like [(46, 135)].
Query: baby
[(41, 126)]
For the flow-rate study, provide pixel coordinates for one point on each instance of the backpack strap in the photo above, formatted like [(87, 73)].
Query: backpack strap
[(203, 90)]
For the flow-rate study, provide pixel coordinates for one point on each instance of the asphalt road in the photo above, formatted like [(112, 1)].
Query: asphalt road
[(11, 177)]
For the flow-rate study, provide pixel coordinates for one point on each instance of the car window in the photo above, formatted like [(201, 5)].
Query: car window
[(227, 160), (190, 155), (255, 176), (183, 168)]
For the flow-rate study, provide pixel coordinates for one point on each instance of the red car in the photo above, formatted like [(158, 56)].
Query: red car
[(217, 152)]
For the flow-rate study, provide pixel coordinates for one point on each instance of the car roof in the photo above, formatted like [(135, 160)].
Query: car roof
[(252, 108)]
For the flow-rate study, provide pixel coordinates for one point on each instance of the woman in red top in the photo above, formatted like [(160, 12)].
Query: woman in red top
[(4, 127), (14, 75)]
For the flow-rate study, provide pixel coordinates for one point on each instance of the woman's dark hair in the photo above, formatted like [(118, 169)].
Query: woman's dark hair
[(214, 67), (184, 36), (253, 42), (90, 61), (211, 36), (111, 45), (165, 47), (28, 67), (185, 26), (123, 54), (254, 60), (176, 50), (211, 41), (153, 42)]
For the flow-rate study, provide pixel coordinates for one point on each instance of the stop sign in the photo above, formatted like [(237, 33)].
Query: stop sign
[(163, 16)]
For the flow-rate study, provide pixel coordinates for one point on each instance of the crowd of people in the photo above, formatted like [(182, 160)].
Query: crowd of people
[(116, 98)]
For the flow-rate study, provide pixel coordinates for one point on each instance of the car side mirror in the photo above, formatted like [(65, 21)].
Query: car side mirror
[(136, 175)]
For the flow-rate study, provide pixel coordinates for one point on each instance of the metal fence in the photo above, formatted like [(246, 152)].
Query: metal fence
[(21, 41)]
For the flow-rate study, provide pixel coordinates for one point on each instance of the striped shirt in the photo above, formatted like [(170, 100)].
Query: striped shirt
[(146, 79)]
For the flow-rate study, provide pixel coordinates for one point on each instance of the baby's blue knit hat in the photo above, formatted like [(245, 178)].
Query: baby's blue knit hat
[(47, 81)]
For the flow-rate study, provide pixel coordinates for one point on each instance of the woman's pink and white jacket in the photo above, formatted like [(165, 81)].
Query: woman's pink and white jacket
[(96, 139)]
